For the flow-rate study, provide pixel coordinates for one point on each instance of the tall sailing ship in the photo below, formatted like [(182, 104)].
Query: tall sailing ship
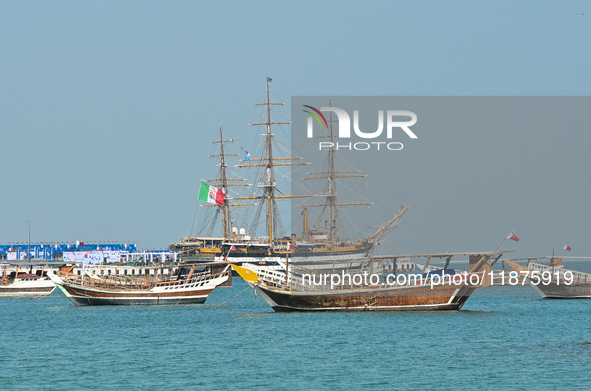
[(315, 249), (323, 248), (209, 248), (235, 245)]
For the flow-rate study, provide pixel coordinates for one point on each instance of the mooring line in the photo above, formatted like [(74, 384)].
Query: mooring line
[(231, 298)]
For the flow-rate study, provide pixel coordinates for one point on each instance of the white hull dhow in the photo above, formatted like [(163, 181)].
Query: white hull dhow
[(188, 284), (16, 283), (27, 285)]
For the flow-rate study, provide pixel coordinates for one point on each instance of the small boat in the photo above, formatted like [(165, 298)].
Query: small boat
[(412, 292), (552, 281), (18, 283), (181, 284)]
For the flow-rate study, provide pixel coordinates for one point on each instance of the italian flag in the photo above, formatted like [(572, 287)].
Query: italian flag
[(211, 194)]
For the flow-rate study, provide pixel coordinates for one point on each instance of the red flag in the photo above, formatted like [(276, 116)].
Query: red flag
[(512, 236), (567, 247), (233, 248), (219, 198), (292, 246)]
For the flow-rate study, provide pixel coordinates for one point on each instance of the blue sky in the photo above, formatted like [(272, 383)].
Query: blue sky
[(107, 109)]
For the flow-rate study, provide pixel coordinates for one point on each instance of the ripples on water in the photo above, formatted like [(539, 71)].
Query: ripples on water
[(504, 337)]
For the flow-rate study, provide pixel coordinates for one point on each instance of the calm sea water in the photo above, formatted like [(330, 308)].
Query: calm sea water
[(504, 337)]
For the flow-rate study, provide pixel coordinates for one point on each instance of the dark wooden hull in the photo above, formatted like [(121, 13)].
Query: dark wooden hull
[(405, 298)]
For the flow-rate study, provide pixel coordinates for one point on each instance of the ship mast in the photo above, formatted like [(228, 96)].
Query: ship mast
[(268, 183), (223, 167), (333, 234), (331, 198), (224, 182)]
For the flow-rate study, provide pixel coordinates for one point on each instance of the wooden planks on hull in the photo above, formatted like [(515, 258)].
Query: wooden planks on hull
[(85, 301), (7, 291), (192, 283), (395, 299), (76, 291)]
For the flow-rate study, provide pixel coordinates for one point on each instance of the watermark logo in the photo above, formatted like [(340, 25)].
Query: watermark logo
[(392, 122), (315, 116)]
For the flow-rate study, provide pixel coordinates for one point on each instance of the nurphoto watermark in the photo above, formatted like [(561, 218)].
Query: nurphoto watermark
[(336, 280)]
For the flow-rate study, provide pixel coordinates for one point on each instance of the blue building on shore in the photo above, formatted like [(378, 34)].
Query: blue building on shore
[(54, 251)]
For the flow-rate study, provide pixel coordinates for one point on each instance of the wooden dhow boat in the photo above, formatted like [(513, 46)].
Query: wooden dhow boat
[(22, 282), (552, 280), (185, 284), (412, 292)]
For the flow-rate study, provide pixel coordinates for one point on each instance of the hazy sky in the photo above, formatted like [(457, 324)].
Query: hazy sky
[(107, 109)]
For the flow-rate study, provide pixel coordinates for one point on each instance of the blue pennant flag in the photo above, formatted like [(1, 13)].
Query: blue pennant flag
[(269, 79)]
